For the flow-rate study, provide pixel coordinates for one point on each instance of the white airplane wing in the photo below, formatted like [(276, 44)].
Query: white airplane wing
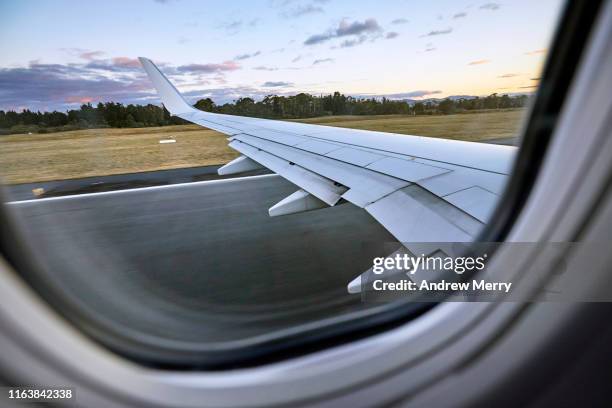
[(420, 189)]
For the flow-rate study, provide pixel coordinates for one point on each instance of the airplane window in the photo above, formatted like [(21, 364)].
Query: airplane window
[(229, 186)]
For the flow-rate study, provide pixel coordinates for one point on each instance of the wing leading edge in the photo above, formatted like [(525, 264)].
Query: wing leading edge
[(421, 189)]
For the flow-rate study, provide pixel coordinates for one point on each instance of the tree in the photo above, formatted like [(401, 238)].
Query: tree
[(418, 108), (206, 105), (447, 106)]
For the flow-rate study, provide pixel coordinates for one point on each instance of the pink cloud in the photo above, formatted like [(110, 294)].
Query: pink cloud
[(209, 68), (479, 62), (126, 62), (79, 99), (91, 55), (536, 52)]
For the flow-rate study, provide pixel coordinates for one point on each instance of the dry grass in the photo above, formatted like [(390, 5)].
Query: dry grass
[(97, 152), (468, 126)]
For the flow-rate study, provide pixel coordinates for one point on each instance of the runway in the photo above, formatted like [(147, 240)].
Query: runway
[(202, 265), (87, 185)]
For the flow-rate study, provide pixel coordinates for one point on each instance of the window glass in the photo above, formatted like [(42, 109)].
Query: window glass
[(120, 205)]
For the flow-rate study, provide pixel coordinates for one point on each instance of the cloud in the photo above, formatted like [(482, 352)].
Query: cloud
[(296, 59), (58, 86), (536, 52), (344, 29), (264, 68), (460, 15), (490, 6), (412, 94), (322, 61), (363, 38), (79, 99), (276, 84), (87, 55), (247, 56), (511, 75), (438, 32), (234, 26), (479, 62), (302, 11), (126, 62), (355, 28), (117, 64), (228, 94), (90, 55), (354, 42), (399, 21), (209, 68), (40, 86), (318, 38)]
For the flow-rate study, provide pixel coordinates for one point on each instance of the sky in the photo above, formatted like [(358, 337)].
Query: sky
[(59, 54)]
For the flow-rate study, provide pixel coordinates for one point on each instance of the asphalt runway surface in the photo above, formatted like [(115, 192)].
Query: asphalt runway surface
[(201, 263), (115, 182)]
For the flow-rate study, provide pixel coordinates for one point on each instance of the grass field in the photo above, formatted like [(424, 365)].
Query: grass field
[(98, 152)]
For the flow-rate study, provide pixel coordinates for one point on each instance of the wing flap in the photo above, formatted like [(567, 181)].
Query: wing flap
[(488, 157), (406, 169), (318, 147), (474, 200), (410, 219), (322, 188), (371, 185), (354, 156)]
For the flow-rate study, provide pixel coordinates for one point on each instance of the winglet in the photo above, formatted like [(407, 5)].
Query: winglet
[(171, 98)]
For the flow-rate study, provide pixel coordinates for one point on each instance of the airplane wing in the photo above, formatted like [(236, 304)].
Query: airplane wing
[(420, 189)]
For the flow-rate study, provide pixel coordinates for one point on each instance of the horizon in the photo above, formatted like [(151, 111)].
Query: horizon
[(409, 101), (283, 47)]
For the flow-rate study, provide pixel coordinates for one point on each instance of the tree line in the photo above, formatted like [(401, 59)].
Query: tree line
[(109, 114), (305, 106), (302, 105)]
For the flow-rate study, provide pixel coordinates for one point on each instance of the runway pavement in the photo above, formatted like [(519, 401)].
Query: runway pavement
[(201, 264), (87, 185)]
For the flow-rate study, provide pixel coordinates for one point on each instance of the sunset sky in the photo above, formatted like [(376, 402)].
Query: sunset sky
[(59, 54)]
